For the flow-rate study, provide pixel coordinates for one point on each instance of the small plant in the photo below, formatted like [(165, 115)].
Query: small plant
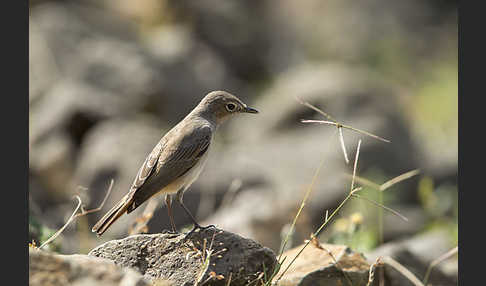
[(272, 279)]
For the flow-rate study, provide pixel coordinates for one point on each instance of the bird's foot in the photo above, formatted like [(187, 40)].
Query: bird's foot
[(167, 231), (198, 227)]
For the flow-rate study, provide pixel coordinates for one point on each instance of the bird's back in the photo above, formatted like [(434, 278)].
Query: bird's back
[(180, 154)]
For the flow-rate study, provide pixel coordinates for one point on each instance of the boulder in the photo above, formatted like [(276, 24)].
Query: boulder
[(324, 264), (46, 268), (416, 254), (206, 255)]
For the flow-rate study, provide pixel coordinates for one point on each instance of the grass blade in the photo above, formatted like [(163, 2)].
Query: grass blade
[(341, 139), (441, 258), (381, 206), (398, 179)]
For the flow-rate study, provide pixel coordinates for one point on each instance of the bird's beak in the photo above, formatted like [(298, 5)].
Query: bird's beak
[(248, 109)]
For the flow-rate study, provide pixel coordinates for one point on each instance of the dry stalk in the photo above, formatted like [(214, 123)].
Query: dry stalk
[(75, 215), (316, 233), (55, 235), (371, 275), (335, 122), (403, 270), (441, 258), (315, 242)]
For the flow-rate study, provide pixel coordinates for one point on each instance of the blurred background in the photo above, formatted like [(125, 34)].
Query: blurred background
[(108, 78)]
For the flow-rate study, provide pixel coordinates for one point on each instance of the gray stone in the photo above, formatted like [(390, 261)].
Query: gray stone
[(183, 261), (50, 269), (416, 254), (315, 266)]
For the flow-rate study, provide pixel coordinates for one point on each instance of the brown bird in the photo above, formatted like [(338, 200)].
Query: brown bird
[(177, 160)]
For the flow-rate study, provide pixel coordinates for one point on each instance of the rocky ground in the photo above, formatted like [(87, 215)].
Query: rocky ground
[(217, 257), (108, 78)]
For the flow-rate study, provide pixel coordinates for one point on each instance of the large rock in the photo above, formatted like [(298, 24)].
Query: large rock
[(46, 268), (416, 254), (182, 261), (324, 264)]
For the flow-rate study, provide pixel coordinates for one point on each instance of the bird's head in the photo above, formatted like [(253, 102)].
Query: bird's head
[(221, 105)]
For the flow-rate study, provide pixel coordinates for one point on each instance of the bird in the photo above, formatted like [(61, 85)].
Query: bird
[(178, 158)]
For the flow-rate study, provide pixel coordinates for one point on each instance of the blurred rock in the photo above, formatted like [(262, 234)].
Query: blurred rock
[(180, 260), (416, 254), (278, 154), (86, 66), (231, 29), (255, 213), (315, 266), (191, 69), (98, 67), (95, 47), (46, 268), (51, 165)]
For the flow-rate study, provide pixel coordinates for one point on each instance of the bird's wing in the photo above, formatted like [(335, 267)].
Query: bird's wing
[(172, 160)]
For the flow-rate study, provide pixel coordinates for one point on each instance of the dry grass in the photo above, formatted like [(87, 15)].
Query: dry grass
[(75, 215), (353, 193)]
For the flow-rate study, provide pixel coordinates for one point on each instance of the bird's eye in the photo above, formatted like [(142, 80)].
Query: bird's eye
[(230, 107)]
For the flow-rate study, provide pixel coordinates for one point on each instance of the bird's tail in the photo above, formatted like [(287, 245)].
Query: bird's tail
[(112, 215)]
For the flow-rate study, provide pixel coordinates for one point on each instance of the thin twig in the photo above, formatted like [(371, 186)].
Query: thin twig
[(382, 206), (398, 179), (355, 165), (388, 183), (75, 215), (371, 275), (341, 139), (301, 101), (340, 125), (141, 222), (318, 245), (364, 182), (381, 188), (404, 271), (55, 235), (228, 283), (434, 263), (85, 212), (316, 233), (307, 193)]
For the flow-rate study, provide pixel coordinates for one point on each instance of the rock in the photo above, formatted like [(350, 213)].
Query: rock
[(416, 254), (315, 266), (231, 29), (46, 268), (171, 257), (95, 47), (51, 165)]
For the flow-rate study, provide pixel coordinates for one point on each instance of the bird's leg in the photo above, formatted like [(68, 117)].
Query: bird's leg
[(168, 202), (179, 195)]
